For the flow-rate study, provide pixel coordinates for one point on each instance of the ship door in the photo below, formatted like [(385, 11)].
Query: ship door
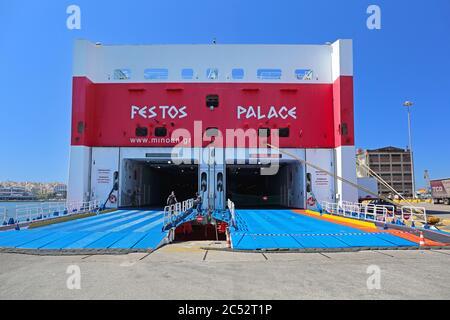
[(212, 179)]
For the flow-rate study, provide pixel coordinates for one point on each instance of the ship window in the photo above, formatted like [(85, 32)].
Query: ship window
[(141, 131), (212, 132), (263, 132), (187, 74), (304, 74), (212, 73), (212, 101), (344, 129), (269, 74), (283, 132), (237, 74), (156, 74), (80, 127), (122, 74), (160, 132), (308, 182)]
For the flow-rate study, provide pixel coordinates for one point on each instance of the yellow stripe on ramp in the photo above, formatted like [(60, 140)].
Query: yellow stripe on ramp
[(359, 223)]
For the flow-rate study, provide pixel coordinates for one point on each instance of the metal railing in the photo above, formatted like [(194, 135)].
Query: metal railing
[(172, 213), (3, 214), (230, 205), (408, 215), (367, 212), (370, 212), (49, 210)]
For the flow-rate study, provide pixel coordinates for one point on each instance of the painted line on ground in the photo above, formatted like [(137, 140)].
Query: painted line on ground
[(110, 223), (150, 226), (135, 222)]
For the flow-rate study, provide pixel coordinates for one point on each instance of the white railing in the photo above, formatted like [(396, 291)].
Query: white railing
[(3, 215), (379, 213), (230, 205), (359, 211), (173, 212), (49, 210)]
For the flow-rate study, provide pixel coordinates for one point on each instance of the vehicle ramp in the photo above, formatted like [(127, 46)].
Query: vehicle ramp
[(118, 230), (288, 229)]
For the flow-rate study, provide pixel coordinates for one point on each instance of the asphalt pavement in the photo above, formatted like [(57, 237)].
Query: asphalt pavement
[(189, 271)]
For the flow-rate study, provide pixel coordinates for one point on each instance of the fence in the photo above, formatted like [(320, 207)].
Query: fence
[(3, 214), (407, 215), (49, 210), (174, 212)]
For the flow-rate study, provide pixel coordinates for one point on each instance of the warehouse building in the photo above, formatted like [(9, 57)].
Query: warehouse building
[(393, 165)]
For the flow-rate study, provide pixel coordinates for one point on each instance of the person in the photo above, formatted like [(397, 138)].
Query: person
[(134, 198), (198, 202), (172, 199)]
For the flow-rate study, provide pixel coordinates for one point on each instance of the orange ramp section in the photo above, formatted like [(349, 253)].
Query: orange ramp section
[(414, 238)]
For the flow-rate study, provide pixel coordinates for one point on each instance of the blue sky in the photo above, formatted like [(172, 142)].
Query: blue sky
[(407, 59)]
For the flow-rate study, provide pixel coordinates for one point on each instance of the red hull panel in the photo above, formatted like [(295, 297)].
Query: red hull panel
[(107, 115)]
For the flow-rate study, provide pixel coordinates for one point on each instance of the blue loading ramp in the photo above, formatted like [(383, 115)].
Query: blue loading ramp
[(142, 230), (122, 229), (285, 229)]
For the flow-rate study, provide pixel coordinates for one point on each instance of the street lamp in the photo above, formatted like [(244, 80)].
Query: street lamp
[(408, 105)]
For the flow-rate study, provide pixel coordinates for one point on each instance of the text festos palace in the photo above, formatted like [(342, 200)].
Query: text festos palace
[(242, 112)]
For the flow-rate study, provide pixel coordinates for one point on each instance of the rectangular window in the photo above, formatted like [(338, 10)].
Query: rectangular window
[(304, 74), (160, 131), (187, 74), (344, 129), (141, 132), (284, 132), (268, 74), (122, 74), (212, 101), (264, 132), (212, 132), (212, 73), (80, 127), (237, 74), (398, 186), (156, 74)]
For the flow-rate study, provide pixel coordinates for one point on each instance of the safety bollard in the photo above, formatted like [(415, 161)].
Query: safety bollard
[(228, 239), (422, 239)]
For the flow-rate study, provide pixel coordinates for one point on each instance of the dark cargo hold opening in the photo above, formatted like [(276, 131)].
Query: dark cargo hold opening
[(149, 183), (248, 188)]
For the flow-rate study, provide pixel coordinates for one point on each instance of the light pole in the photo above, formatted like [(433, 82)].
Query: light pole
[(408, 105)]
